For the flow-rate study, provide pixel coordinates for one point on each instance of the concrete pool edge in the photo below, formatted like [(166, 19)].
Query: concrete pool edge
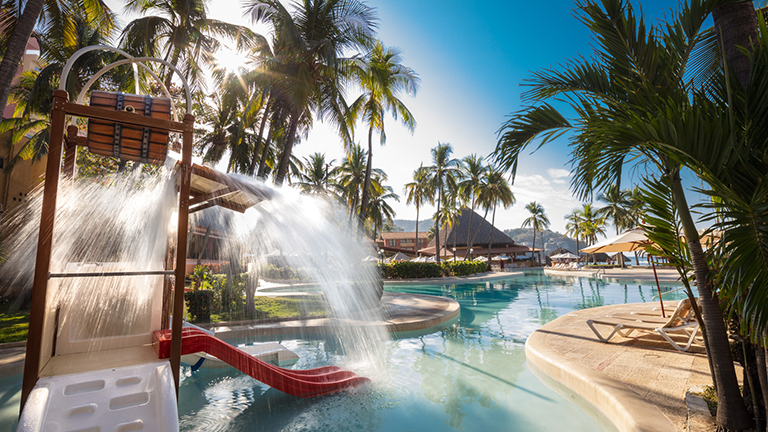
[(623, 407)]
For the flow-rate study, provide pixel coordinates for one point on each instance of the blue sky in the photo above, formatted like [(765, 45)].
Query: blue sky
[(472, 58)]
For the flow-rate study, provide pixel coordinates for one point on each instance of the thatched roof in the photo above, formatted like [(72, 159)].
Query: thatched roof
[(598, 257), (560, 250), (461, 229)]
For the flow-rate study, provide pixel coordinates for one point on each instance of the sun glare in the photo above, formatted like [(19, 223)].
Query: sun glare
[(230, 59)]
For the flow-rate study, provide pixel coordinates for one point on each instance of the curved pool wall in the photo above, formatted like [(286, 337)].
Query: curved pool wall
[(471, 375)]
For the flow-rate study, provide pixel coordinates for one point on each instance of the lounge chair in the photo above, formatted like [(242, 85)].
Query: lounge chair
[(682, 320)]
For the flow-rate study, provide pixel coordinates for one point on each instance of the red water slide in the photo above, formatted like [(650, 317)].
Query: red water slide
[(301, 383)]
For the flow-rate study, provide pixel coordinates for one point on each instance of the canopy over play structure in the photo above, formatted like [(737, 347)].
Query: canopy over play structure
[(66, 387)]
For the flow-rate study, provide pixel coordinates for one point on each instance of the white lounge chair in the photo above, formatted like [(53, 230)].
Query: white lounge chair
[(682, 321)]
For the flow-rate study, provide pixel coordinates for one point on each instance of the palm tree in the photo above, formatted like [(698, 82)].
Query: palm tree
[(380, 210), (382, 78), (573, 227), (496, 191), (618, 120), (55, 20), (182, 34), (417, 193), (537, 220), (308, 48), (33, 94), (592, 224), (474, 176), (446, 216), (618, 208), (441, 177), (318, 176)]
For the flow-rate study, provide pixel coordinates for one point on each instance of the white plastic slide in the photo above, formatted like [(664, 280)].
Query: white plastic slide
[(130, 398)]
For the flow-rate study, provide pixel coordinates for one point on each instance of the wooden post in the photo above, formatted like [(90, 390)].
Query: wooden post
[(658, 288), (44, 245), (70, 153), (165, 321), (181, 248)]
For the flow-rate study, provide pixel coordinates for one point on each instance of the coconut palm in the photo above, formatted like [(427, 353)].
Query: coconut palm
[(441, 178), (181, 33), (618, 209), (318, 175), (592, 224), (382, 78), (308, 47), (417, 193), (380, 210), (474, 175), (55, 19), (538, 220), (573, 227), (618, 119), (494, 191)]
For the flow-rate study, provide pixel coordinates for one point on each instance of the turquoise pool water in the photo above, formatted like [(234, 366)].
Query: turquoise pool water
[(470, 375)]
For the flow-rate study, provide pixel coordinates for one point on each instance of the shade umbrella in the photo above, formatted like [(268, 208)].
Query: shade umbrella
[(628, 241), (431, 259), (481, 258), (399, 257), (568, 255), (500, 257)]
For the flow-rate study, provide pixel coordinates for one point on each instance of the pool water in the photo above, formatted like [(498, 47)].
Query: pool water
[(470, 375)]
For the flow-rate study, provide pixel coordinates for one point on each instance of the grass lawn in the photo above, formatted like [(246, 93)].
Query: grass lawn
[(14, 324), (273, 308)]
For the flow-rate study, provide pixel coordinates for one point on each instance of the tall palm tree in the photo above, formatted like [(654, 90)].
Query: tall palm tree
[(308, 47), (538, 220), (617, 208), (54, 19), (382, 78), (573, 227), (380, 210), (441, 178), (496, 191), (474, 175), (592, 224), (417, 193), (181, 33), (318, 175), (618, 121)]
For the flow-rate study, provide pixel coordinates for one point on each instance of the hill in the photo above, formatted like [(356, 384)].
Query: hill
[(552, 240), (410, 225)]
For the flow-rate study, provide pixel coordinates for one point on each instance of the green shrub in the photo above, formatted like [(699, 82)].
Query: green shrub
[(410, 270), (464, 268), (199, 305), (271, 271)]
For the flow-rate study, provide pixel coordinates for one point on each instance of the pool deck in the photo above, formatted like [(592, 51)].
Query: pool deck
[(617, 274), (639, 383)]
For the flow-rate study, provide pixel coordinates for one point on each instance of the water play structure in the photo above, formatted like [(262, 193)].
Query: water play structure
[(100, 370)]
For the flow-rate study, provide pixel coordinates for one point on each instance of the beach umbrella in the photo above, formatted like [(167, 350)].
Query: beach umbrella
[(500, 257), (399, 257), (568, 255), (481, 258), (431, 259)]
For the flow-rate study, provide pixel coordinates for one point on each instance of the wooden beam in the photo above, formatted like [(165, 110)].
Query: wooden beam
[(127, 118), (44, 245), (209, 196)]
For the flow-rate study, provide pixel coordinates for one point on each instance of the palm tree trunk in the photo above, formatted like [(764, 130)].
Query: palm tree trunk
[(17, 45), (416, 241), (174, 60), (264, 152), (469, 228), (732, 415), (454, 237), (534, 243), (367, 182), (477, 231), (257, 148), (736, 27), (285, 159), (437, 221), (490, 238)]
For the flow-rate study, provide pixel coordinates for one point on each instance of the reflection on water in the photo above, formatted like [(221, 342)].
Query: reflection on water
[(470, 376)]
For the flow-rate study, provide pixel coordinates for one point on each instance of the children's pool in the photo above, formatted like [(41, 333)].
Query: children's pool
[(470, 375)]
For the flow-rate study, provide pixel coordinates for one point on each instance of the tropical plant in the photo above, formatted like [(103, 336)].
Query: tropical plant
[(417, 193), (308, 47), (573, 227), (634, 102), (592, 224), (181, 33), (380, 211), (494, 191), (382, 77), (318, 175), (441, 178), (538, 220), (473, 176)]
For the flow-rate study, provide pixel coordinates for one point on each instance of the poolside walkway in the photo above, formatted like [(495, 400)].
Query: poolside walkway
[(618, 274), (639, 383)]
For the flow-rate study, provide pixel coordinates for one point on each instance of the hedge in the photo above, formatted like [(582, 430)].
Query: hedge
[(418, 270)]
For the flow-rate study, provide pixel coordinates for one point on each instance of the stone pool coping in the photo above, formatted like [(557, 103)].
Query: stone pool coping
[(638, 383), (619, 275)]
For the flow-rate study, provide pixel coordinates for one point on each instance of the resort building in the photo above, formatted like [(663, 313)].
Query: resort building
[(405, 242), (16, 185), (454, 240)]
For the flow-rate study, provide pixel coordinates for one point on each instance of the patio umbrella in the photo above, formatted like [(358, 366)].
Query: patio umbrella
[(431, 259), (628, 241), (568, 255), (399, 257), (500, 257), (481, 258)]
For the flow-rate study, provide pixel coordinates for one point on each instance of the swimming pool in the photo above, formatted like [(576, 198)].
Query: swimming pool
[(470, 375)]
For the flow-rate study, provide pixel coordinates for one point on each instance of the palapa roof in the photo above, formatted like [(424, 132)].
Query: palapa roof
[(402, 235), (560, 250), (461, 229)]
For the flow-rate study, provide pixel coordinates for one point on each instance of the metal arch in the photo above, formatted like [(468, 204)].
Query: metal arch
[(129, 59)]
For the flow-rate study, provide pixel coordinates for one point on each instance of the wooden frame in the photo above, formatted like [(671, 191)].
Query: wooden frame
[(61, 109)]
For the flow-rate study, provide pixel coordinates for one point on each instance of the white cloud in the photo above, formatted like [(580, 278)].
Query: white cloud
[(558, 173)]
